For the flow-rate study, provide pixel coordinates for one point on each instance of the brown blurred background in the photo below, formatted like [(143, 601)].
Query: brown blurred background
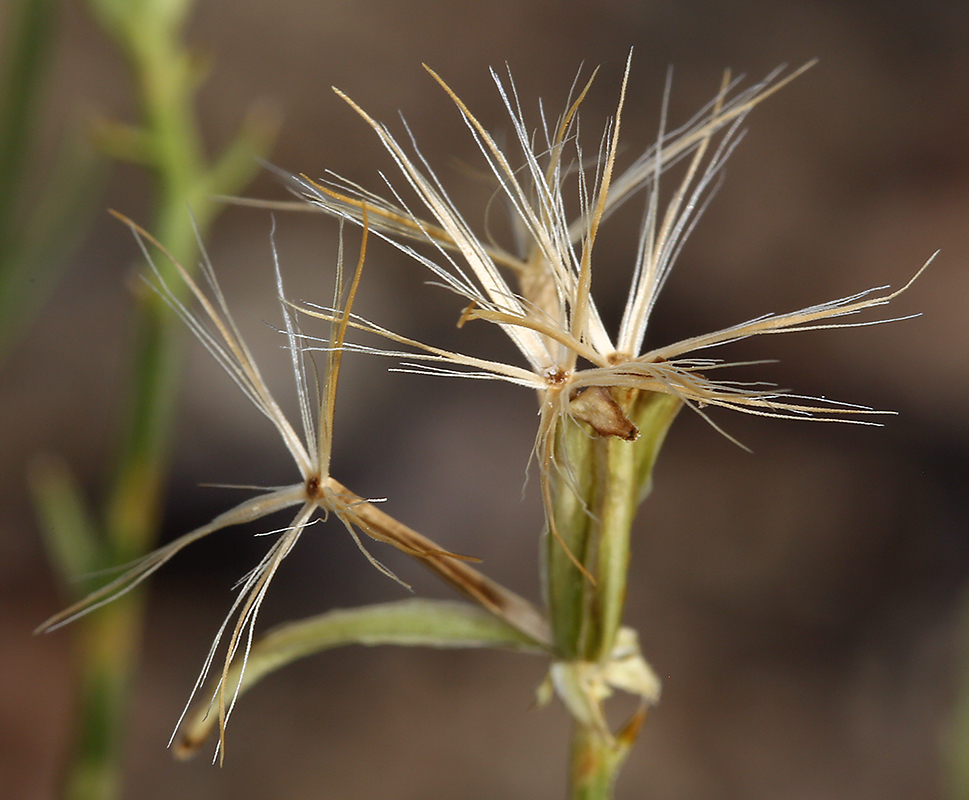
[(801, 603)]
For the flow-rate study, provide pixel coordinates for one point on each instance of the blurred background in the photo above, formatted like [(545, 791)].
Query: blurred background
[(801, 603)]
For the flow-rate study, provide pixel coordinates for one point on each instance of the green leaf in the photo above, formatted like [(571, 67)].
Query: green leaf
[(33, 260), (70, 535), (408, 623)]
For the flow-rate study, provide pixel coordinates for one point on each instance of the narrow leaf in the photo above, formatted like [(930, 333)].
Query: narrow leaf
[(408, 623), (70, 534)]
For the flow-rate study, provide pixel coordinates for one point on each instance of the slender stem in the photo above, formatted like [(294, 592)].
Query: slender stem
[(594, 764), (106, 653), (166, 142), (24, 61)]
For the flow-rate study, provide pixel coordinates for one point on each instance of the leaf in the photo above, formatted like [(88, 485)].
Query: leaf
[(70, 535), (584, 685), (409, 623), (37, 231)]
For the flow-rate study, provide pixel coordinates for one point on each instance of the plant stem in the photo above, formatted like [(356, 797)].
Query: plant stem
[(594, 764), (39, 224), (167, 143), (106, 653), (593, 513)]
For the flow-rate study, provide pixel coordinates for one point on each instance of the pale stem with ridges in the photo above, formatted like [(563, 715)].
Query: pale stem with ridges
[(601, 482)]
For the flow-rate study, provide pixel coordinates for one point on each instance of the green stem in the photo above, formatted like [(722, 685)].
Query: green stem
[(24, 62), (594, 764), (594, 512), (40, 223), (166, 142), (106, 648)]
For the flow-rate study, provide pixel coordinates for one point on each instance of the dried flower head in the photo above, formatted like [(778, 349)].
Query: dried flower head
[(573, 362), (316, 492)]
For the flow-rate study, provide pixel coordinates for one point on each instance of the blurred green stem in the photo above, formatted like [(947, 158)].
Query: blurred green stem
[(38, 227), (166, 142), (31, 29), (106, 653)]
